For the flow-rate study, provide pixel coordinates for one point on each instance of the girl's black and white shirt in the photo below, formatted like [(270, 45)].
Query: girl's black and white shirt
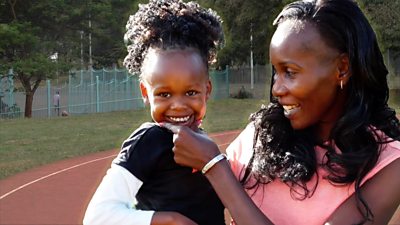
[(144, 178)]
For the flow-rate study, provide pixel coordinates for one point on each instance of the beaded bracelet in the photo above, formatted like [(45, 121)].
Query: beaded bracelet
[(212, 162)]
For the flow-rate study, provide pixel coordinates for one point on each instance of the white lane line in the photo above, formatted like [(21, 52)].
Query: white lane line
[(225, 133), (52, 174), (228, 143), (66, 169)]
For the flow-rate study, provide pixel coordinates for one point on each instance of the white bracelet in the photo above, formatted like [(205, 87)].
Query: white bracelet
[(212, 162)]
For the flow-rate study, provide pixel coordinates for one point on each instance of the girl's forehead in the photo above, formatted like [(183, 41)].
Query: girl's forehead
[(173, 61), (172, 50), (155, 54)]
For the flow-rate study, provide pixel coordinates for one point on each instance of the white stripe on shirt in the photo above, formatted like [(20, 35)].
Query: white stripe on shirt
[(112, 203)]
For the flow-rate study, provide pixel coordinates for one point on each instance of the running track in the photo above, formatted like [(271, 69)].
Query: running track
[(58, 193)]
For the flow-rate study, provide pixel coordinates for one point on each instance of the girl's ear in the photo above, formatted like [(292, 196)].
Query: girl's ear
[(343, 70), (143, 90), (209, 89)]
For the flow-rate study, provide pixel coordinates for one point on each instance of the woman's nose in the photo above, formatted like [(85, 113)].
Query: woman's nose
[(278, 88)]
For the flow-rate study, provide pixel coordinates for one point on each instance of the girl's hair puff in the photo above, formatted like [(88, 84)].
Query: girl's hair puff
[(172, 24)]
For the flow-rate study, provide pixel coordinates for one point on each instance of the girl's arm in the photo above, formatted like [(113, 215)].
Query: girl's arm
[(113, 203), (195, 149), (382, 194)]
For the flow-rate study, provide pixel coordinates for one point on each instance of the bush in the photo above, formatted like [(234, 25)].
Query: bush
[(242, 94)]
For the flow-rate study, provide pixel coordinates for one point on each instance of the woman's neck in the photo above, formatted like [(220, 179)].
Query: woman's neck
[(323, 132)]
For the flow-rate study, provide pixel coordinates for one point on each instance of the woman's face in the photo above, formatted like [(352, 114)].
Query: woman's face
[(176, 85), (307, 78)]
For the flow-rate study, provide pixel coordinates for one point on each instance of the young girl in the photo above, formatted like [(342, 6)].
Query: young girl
[(327, 148), (171, 44)]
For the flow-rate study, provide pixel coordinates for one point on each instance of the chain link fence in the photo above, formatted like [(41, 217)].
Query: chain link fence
[(105, 90), (88, 91)]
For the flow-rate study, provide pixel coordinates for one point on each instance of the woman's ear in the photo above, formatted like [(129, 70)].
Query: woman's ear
[(143, 90), (343, 70), (209, 89)]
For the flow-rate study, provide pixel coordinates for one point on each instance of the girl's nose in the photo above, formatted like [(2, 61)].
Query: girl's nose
[(278, 88), (178, 103)]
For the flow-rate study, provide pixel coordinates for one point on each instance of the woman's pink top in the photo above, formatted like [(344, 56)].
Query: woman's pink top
[(275, 199)]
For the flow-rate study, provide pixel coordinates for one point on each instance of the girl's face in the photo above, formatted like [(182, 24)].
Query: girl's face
[(176, 85), (307, 78)]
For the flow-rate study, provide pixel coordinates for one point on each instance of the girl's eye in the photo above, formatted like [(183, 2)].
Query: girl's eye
[(164, 94), (191, 93)]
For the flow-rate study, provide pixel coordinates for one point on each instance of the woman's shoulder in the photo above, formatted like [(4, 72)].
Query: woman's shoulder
[(241, 149), (389, 153), (243, 141), (393, 145), (390, 148)]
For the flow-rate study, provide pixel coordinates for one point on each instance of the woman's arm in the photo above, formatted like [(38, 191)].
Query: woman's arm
[(230, 191), (195, 150), (382, 194), (113, 203)]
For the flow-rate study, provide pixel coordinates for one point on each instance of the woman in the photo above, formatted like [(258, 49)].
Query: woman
[(326, 149)]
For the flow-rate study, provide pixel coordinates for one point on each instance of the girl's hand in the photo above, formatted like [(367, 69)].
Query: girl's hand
[(192, 147), (170, 218)]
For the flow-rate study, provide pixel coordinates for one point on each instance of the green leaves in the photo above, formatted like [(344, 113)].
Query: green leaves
[(384, 16), (239, 16), (17, 40)]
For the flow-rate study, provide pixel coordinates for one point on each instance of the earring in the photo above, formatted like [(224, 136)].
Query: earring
[(341, 84)]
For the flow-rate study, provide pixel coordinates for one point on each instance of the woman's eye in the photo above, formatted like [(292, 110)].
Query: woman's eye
[(191, 93), (290, 73)]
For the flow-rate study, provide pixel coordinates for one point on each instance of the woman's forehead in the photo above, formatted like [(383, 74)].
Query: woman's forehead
[(294, 36), (292, 30)]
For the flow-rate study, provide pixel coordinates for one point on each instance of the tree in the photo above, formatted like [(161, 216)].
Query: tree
[(384, 16), (32, 31), (239, 16), (108, 20), (26, 47)]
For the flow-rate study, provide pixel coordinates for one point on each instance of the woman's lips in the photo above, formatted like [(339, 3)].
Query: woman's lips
[(290, 110)]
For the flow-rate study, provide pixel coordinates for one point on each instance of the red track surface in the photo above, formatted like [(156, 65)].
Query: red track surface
[(59, 193)]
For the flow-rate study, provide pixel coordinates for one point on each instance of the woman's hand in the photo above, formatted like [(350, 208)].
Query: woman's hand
[(192, 147), (170, 218)]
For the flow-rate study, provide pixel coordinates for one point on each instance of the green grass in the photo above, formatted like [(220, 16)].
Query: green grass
[(28, 143), (394, 99)]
